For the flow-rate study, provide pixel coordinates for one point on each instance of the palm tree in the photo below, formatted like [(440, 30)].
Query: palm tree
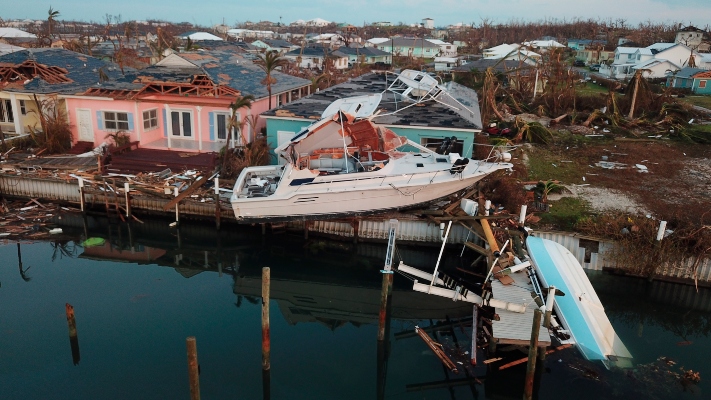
[(51, 17), (240, 102), (269, 62)]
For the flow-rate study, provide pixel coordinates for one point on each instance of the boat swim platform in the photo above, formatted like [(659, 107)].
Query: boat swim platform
[(513, 327)]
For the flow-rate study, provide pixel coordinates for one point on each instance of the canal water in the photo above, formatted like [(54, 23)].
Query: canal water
[(141, 293)]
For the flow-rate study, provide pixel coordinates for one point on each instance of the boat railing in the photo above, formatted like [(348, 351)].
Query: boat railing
[(382, 178)]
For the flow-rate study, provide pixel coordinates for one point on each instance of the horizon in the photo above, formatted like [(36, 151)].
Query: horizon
[(447, 13)]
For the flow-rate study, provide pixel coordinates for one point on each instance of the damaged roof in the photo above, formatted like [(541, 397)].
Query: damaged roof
[(240, 73), (431, 114), (223, 68), (52, 70)]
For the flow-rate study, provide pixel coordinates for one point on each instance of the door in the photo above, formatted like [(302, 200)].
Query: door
[(181, 124), (86, 127), (222, 122)]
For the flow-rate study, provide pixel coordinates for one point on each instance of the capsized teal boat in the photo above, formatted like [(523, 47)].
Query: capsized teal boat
[(580, 310)]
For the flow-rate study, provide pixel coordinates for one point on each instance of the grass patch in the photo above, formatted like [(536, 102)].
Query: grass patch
[(566, 213), (696, 134), (545, 164), (701, 101), (590, 89)]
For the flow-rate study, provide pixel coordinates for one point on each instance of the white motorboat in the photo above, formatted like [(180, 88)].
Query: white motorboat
[(346, 165)]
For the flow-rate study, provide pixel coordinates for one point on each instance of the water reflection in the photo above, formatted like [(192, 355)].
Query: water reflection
[(327, 297)]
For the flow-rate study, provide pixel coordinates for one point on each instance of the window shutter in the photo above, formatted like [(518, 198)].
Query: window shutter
[(165, 124), (100, 120), (130, 121), (211, 117)]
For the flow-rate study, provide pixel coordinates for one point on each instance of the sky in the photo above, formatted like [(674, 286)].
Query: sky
[(356, 12)]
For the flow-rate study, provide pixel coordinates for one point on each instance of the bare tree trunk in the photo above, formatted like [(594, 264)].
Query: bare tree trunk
[(634, 95)]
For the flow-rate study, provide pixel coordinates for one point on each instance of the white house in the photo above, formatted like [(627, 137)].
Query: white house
[(14, 33), (445, 49), (278, 45), (428, 23), (445, 64), (374, 42), (332, 40), (242, 34), (313, 58), (198, 36), (511, 52), (543, 44), (657, 58), (317, 22)]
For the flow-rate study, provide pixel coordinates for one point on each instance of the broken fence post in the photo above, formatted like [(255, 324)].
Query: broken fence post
[(193, 368)]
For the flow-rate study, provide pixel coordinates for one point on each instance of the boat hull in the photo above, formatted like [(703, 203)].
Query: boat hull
[(579, 310), (354, 196)]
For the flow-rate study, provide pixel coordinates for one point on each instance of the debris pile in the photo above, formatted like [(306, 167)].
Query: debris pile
[(29, 220)]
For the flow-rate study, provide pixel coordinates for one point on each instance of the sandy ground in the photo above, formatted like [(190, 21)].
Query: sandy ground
[(602, 199)]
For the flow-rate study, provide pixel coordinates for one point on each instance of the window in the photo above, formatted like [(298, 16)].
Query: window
[(6, 111), (443, 145), (115, 121), (150, 119), (23, 108), (702, 83)]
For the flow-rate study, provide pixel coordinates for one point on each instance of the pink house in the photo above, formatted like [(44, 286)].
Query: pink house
[(181, 103)]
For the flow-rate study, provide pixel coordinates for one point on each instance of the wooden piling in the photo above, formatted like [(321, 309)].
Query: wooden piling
[(475, 331), (266, 341), (81, 195), (550, 302), (266, 384), (177, 209), (126, 189), (73, 338), (385, 295), (532, 352), (193, 368), (356, 228), (218, 211)]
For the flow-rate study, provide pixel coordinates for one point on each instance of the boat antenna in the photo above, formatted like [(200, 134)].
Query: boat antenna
[(343, 130)]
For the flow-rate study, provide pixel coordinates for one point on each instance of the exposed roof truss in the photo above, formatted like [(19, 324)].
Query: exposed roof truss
[(30, 69), (201, 86)]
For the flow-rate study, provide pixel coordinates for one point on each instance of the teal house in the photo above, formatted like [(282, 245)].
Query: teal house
[(428, 123), (702, 83)]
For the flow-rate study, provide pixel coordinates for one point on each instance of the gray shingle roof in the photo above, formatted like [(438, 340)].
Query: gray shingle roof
[(82, 70), (364, 51), (431, 114), (688, 72), (240, 73)]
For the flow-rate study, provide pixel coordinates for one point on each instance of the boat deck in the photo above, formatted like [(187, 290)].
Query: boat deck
[(512, 327)]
